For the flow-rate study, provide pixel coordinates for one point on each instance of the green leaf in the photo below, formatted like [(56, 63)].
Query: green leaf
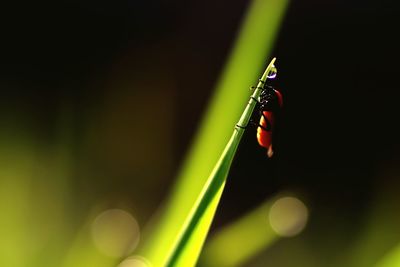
[(252, 46), (194, 231)]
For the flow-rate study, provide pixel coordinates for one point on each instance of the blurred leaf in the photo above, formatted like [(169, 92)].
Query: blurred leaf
[(378, 239), (82, 252), (242, 239), (391, 259)]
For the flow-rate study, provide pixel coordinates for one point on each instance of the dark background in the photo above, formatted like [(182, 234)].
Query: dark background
[(115, 75)]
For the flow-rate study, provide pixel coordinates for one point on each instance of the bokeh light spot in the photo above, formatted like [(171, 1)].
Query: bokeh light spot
[(115, 232), (135, 261), (288, 216)]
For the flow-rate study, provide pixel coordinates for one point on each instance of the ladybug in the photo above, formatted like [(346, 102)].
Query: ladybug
[(270, 103)]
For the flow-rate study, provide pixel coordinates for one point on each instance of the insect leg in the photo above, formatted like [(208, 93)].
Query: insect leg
[(256, 87)]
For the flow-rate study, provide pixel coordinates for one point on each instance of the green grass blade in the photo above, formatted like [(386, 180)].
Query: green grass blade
[(236, 243), (391, 259), (253, 44), (199, 220)]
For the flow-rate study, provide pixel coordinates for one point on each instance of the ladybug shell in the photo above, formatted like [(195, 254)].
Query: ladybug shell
[(264, 137), (279, 96)]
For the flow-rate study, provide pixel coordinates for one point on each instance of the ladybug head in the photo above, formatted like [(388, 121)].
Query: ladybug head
[(271, 99)]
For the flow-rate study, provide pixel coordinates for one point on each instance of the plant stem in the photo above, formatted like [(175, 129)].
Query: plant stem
[(217, 178)]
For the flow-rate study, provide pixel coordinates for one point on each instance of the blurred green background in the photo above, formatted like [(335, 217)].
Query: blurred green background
[(96, 117)]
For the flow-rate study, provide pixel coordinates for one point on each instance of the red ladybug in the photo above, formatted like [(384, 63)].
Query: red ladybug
[(270, 102)]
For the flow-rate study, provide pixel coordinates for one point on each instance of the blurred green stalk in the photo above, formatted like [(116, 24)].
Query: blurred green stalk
[(391, 259), (241, 240)]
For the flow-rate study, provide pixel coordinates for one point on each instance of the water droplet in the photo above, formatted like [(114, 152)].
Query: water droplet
[(272, 73)]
